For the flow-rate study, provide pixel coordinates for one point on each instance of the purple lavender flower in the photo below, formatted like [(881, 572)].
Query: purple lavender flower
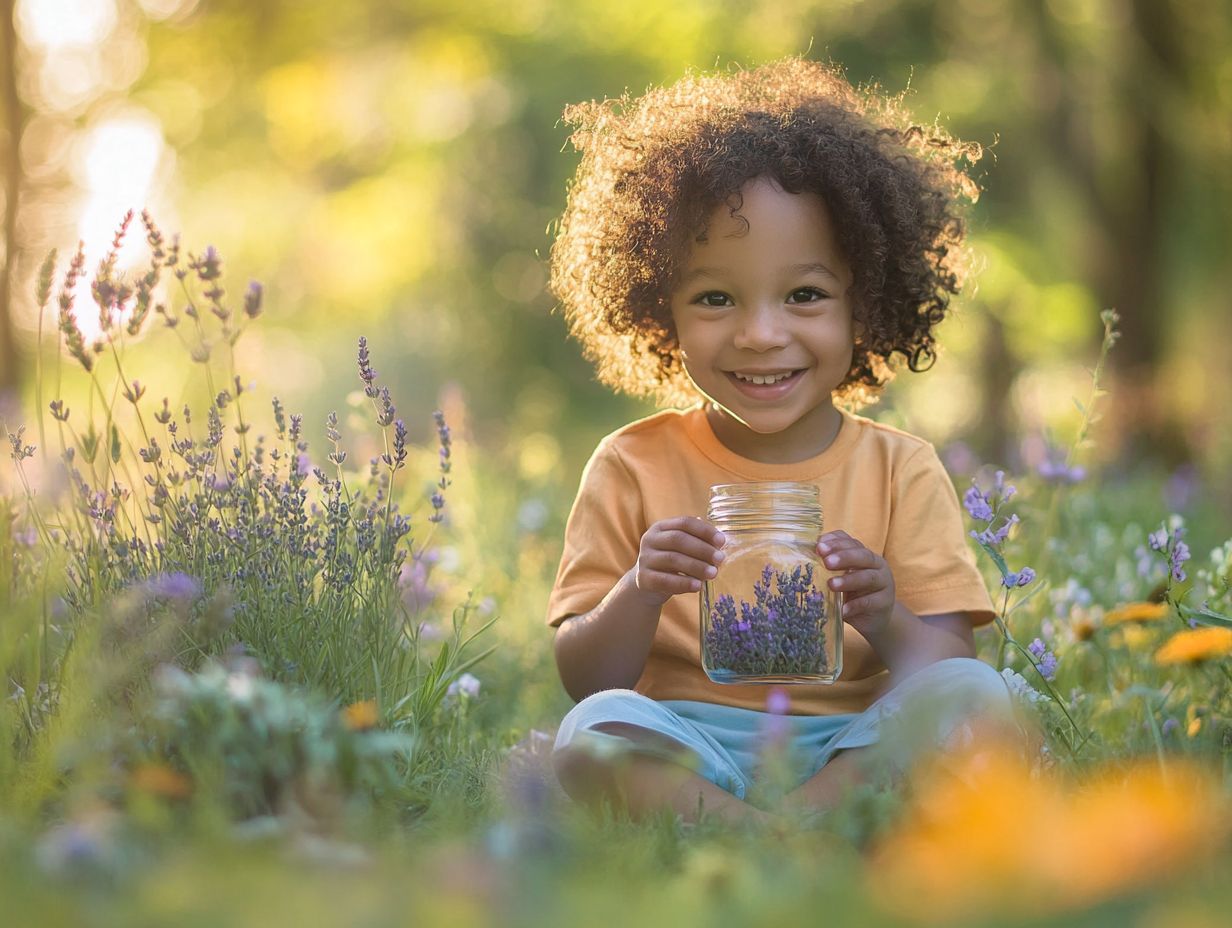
[(1158, 540), (252, 300), (1169, 726), (779, 632), (366, 373), (176, 585)]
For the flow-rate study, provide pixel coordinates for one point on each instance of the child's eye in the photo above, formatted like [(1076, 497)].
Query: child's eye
[(809, 294), (713, 294)]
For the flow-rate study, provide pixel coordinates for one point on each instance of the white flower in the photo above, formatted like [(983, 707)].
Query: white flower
[(466, 685), (1020, 688)]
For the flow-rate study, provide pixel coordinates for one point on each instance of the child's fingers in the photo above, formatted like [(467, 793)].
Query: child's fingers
[(834, 541), (858, 582), (698, 528), (851, 558), (681, 542), (868, 604), (676, 563), (668, 584)]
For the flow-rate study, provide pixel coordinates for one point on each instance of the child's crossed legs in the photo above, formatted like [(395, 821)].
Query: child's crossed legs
[(647, 756)]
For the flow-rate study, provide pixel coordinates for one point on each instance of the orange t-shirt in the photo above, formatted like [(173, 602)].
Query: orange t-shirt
[(882, 486)]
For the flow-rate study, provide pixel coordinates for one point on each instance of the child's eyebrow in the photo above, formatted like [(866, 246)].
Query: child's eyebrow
[(814, 267)]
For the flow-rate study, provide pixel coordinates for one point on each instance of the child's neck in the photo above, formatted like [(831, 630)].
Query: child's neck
[(804, 439)]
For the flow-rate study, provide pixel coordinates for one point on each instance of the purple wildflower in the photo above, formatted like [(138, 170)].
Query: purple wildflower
[(175, 585), (1178, 556), (1176, 550), (1170, 725), (366, 373), (252, 300), (1044, 659), (1018, 578), (977, 504), (1048, 666)]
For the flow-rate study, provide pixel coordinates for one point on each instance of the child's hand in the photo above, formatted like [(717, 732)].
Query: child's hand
[(867, 584), (672, 547)]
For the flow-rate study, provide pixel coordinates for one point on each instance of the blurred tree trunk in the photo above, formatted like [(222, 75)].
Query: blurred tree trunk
[(1130, 216), (14, 119), (998, 368)]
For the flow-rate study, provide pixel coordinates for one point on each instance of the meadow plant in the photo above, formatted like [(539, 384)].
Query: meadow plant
[(261, 747), (243, 534)]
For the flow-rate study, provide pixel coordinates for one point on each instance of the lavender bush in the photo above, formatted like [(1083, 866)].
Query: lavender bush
[(778, 633), (173, 510)]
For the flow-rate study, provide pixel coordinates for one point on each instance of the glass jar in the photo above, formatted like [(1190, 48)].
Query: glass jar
[(768, 615)]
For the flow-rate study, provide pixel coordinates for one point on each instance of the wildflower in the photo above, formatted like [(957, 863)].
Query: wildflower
[(1045, 660), (1018, 578), (1180, 819), (1019, 688), (994, 538), (466, 685), (978, 505), (252, 300), (1136, 612), (1158, 540), (20, 452), (1169, 726), (361, 716), (1195, 645), (366, 373), (176, 585)]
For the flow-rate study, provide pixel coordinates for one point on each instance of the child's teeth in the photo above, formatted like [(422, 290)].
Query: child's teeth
[(754, 378)]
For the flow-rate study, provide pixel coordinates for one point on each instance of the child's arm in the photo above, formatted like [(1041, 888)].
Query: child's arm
[(904, 641), (606, 648)]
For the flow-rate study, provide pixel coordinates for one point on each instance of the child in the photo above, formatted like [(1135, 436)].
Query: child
[(754, 246)]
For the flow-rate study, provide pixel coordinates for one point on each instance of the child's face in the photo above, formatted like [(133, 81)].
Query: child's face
[(772, 300)]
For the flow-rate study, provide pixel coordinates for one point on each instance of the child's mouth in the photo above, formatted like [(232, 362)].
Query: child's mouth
[(765, 391)]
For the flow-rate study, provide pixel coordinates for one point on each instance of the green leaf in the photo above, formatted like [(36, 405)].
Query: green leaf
[(1208, 617)]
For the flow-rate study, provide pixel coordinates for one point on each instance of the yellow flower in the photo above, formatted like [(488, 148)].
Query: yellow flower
[(360, 716), (1136, 612), (1195, 644), (1135, 637)]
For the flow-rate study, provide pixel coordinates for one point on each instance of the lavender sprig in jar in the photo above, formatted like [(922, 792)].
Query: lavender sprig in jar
[(768, 615)]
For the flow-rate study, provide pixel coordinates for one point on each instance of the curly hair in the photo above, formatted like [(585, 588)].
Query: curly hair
[(654, 168)]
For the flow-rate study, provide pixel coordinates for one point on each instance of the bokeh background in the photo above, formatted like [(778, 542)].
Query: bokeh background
[(394, 169)]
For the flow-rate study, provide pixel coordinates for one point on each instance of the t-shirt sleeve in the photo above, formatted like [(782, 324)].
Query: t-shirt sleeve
[(934, 567), (603, 535)]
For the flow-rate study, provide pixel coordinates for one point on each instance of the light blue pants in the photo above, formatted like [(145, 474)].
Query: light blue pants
[(726, 744)]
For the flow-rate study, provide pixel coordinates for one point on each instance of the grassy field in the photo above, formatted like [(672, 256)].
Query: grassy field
[(253, 676)]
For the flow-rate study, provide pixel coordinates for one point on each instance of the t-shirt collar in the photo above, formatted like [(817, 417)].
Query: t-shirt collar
[(700, 432)]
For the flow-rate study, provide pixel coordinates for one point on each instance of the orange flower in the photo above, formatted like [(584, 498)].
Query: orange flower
[(1194, 645), (360, 716), (161, 780), (1040, 844), (1136, 612)]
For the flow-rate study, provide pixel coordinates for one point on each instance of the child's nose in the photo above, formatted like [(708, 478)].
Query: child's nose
[(762, 328)]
